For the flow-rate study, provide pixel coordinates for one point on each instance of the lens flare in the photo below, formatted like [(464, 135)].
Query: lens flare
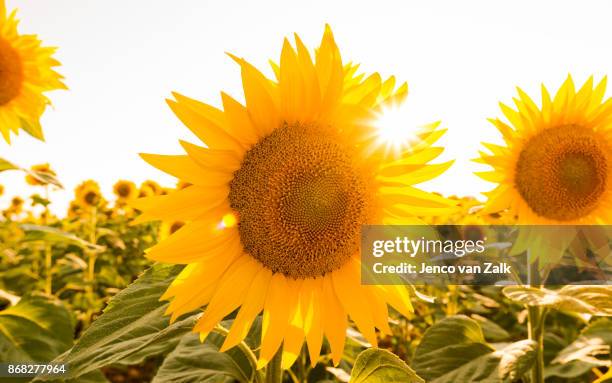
[(395, 129)]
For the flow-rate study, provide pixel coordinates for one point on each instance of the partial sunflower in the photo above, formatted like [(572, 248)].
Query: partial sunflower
[(556, 165), (26, 72), (41, 171), (125, 190), (277, 201), (74, 210), (150, 188), (88, 194)]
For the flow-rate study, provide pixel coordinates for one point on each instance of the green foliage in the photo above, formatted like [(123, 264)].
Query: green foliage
[(133, 328), (380, 366), (36, 329), (594, 300), (104, 302), (454, 350)]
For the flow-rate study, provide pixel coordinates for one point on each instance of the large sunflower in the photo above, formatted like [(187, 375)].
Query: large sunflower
[(556, 166), (278, 198), (26, 72)]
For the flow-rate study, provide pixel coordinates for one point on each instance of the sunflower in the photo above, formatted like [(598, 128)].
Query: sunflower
[(277, 201), (87, 194), (555, 167), (150, 188), (74, 210), (168, 228), (26, 72), (125, 190), (15, 208), (41, 169)]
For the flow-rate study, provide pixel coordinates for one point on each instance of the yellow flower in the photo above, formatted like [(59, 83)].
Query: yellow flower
[(150, 188), (1, 189), (277, 202), (88, 194), (125, 190), (74, 210), (555, 166), (26, 72), (15, 208), (43, 169), (168, 228)]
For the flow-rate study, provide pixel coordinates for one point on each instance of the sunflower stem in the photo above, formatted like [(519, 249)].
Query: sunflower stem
[(91, 267), (246, 350), (48, 250), (274, 372), (535, 325)]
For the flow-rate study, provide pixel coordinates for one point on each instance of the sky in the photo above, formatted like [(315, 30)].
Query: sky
[(121, 59)]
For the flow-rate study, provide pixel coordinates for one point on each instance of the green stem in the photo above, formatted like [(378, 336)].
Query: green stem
[(91, 266), (274, 372), (48, 275), (48, 250), (535, 326), (536, 333), (246, 350)]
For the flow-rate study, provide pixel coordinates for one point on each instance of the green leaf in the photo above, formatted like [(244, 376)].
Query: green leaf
[(6, 165), (44, 177), (594, 299), (41, 176), (585, 352), (595, 340), (37, 329), (492, 331), (380, 366), (194, 362), (53, 235), (454, 350), (132, 327)]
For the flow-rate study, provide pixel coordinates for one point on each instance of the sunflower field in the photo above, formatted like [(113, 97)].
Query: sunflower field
[(250, 267)]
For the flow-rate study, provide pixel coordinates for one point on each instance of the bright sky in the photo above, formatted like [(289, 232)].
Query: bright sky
[(122, 58)]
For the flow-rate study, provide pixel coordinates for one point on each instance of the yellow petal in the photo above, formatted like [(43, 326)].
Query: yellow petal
[(334, 320), (347, 285), (231, 290), (253, 304), (204, 126), (277, 309)]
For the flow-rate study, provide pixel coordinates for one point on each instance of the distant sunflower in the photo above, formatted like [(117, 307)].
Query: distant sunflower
[(42, 169), (556, 166), (26, 72), (150, 188), (125, 190), (277, 201), (74, 210), (88, 194), (16, 206)]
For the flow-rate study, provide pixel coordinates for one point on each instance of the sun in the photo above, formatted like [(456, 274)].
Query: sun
[(556, 164), (394, 130), (26, 72), (276, 201)]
